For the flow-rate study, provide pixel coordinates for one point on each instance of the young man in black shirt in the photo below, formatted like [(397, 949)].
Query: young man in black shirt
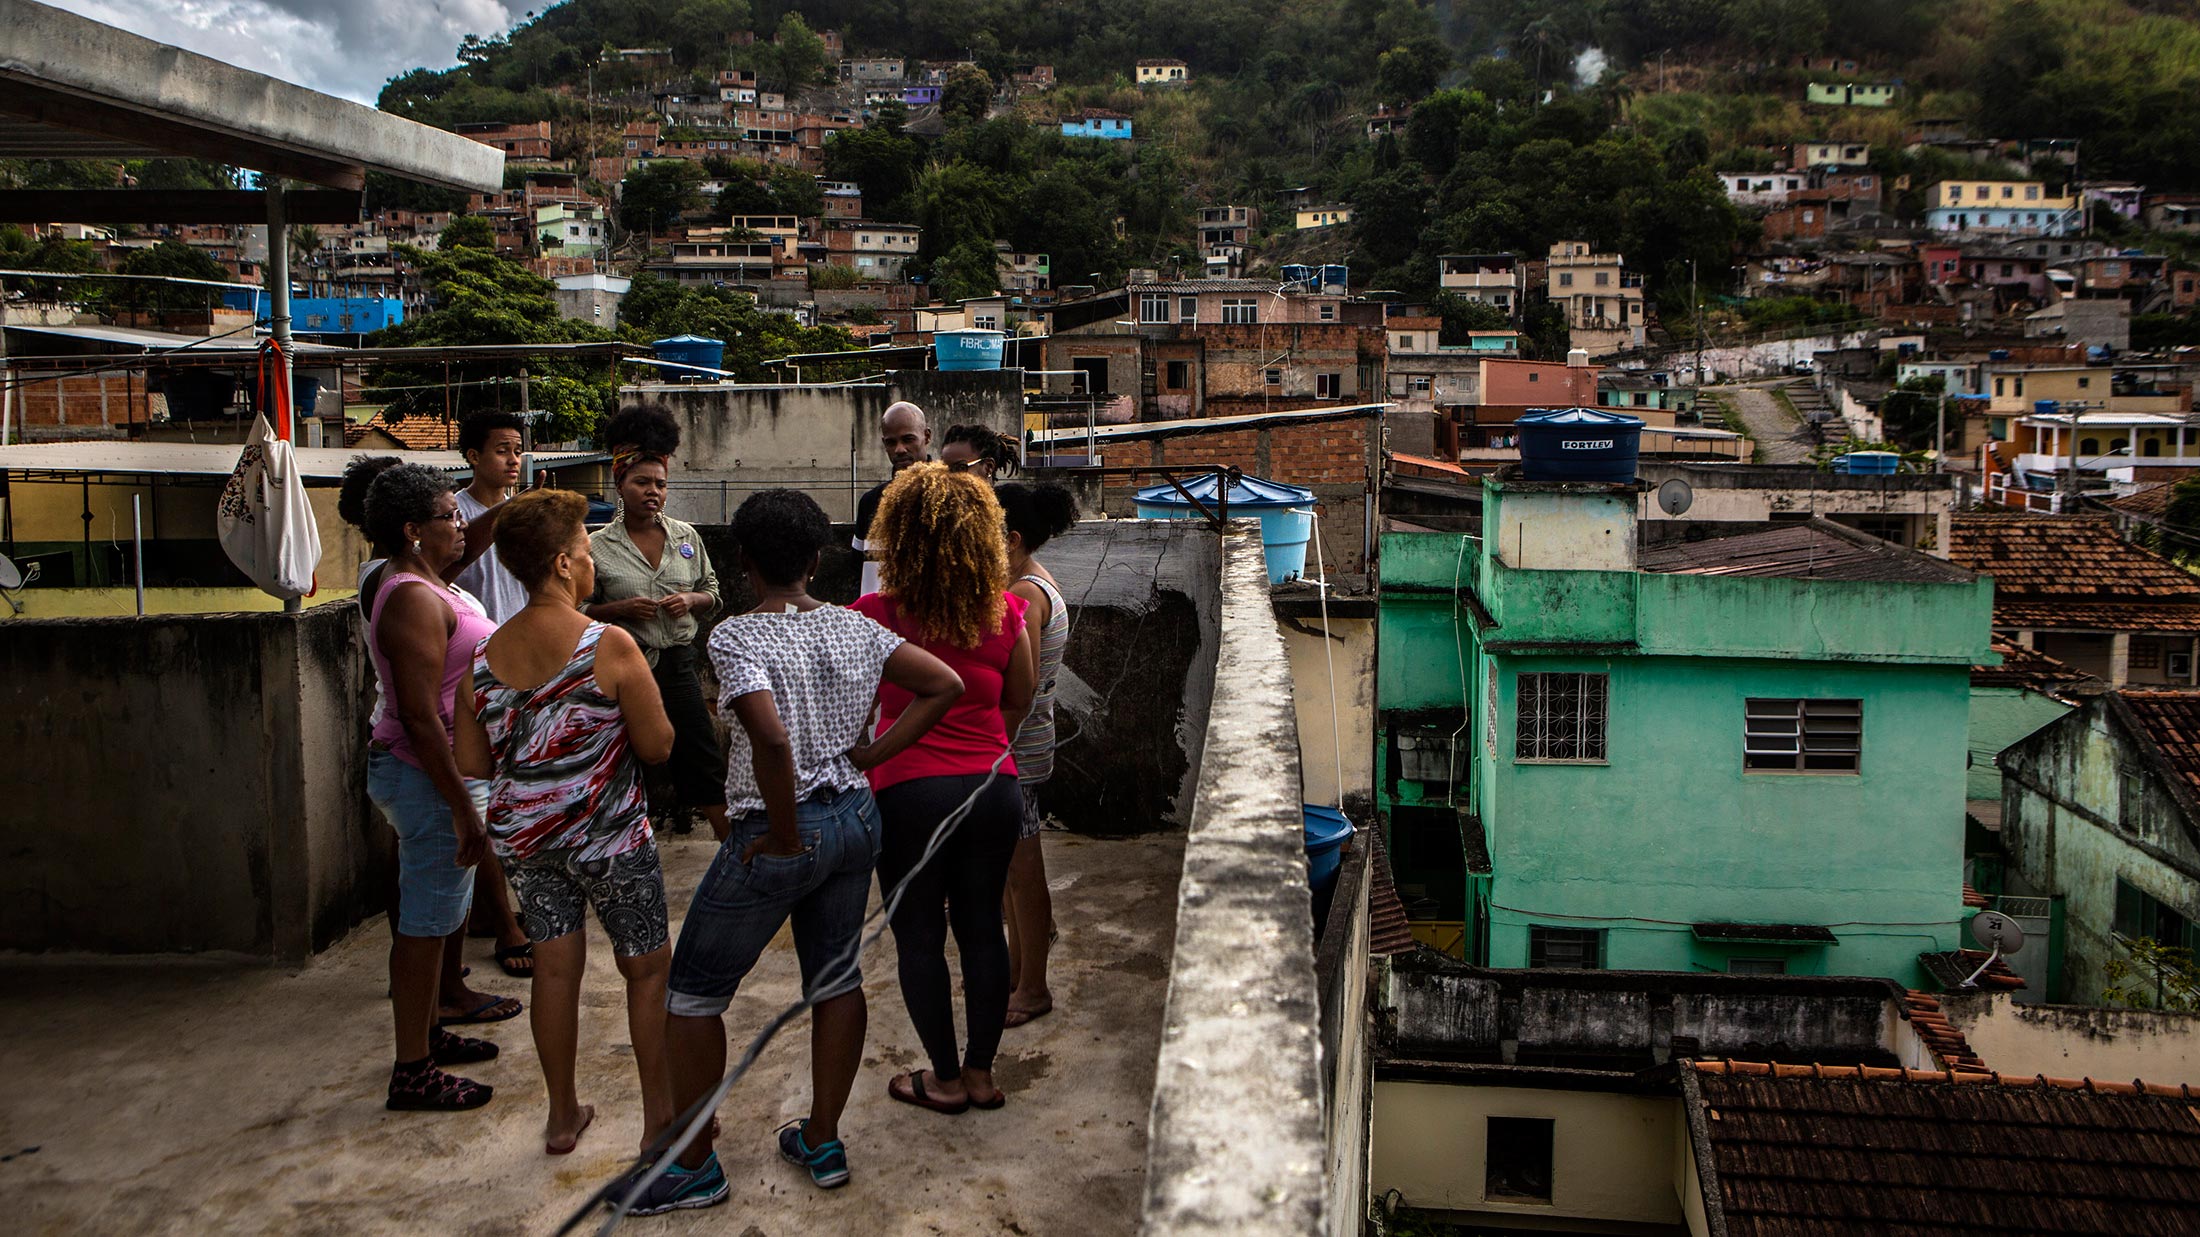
[(907, 438)]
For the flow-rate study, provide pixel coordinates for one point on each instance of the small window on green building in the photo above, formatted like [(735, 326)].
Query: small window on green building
[(1565, 949), (1756, 966), (1561, 718), (1517, 1159), (1803, 736)]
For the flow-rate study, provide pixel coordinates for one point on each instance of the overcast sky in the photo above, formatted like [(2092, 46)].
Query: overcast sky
[(340, 47)]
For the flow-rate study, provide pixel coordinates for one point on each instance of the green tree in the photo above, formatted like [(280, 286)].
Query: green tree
[(968, 270), (800, 59), (2155, 976), (468, 232), (477, 297), (656, 194), (1410, 70), (1461, 316), (654, 308), (967, 94), (19, 252), (699, 29), (883, 164), (174, 260), (1910, 411)]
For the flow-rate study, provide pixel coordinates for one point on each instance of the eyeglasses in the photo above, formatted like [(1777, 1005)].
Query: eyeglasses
[(985, 466), (453, 516)]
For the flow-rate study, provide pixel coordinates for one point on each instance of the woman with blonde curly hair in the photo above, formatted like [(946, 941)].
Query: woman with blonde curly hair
[(943, 586)]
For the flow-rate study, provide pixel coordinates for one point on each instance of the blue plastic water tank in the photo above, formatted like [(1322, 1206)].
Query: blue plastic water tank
[(1578, 444), (1868, 463), (1286, 515), (1336, 277), (2045, 408), (690, 350), (1327, 830), (968, 349)]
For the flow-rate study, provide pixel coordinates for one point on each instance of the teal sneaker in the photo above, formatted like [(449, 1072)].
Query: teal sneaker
[(682, 1188), (828, 1164)]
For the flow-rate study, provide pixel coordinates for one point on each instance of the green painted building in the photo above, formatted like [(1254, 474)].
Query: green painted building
[(1744, 754)]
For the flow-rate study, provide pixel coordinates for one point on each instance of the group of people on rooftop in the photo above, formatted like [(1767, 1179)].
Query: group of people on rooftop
[(529, 675)]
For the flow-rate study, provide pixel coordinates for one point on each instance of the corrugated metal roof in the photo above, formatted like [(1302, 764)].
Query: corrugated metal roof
[(199, 459), (1202, 425), (1817, 550)]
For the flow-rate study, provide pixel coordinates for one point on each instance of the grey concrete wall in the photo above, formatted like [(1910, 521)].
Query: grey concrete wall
[(187, 784), (1341, 966), (1132, 701), (819, 439), (2077, 1041), (1237, 1140)]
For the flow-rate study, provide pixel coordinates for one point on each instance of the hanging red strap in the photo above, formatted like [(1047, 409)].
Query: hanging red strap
[(274, 392)]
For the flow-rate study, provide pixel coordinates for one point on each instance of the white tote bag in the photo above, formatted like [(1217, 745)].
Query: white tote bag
[(265, 519)]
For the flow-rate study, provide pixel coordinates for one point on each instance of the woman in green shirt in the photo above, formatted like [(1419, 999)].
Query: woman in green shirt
[(654, 579)]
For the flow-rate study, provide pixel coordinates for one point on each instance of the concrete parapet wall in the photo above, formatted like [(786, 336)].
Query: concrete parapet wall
[(2077, 1041), (1238, 1139), (189, 783)]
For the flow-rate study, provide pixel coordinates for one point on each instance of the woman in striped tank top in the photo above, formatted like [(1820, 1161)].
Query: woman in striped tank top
[(562, 710), (1035, 513)]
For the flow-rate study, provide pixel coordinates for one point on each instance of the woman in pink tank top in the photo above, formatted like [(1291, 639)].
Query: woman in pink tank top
[(421, 634)]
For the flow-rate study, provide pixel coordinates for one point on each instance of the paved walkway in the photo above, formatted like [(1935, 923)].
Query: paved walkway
[(1780, 437), (190, 1097)]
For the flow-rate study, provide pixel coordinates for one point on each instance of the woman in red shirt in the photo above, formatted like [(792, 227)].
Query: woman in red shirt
[(943, 586)]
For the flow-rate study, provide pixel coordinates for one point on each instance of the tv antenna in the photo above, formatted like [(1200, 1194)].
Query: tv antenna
[(1997, 932), (13, 578), (1675, 496)]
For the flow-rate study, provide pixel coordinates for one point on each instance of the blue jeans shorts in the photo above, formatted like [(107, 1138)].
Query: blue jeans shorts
[(433, 892), (739, 907)]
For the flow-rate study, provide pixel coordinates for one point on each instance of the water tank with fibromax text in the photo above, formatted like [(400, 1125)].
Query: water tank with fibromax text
[(698, 350), (1286, 514), (968, 349), (1578, 444)]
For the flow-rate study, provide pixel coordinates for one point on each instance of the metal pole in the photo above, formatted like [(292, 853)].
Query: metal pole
[(2070, 474), (278, 306), (137, 550), (526, 435), (1940, 429)]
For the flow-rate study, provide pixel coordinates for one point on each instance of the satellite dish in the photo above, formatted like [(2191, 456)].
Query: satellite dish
[(1675, 496), (1996, 931), (10, 577)]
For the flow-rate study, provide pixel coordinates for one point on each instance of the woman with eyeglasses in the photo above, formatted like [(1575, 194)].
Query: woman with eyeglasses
[(980, 450), (421, 633)]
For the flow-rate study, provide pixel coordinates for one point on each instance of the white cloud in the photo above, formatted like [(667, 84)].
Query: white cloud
[(347, 48)]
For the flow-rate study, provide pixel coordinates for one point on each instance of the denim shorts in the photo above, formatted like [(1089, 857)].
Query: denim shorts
[(551, 890), (433, 892), (739, 907)]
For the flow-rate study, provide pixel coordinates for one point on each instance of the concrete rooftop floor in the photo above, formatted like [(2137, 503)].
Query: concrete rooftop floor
[(178, 1095)]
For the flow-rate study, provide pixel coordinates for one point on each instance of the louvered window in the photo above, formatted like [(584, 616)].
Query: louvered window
[(1561, 718), (1803, 736)]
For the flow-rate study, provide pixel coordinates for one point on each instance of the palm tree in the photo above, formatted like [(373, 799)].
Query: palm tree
[(1542, 34)]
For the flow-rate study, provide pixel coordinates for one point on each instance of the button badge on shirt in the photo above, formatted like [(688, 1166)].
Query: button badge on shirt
[(686, 550)]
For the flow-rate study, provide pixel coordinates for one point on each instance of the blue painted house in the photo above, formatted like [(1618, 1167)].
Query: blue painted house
[(1097, 122)]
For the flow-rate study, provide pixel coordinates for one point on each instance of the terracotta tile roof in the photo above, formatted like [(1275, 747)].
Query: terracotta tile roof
[(1949, 1046), (2172, 721), (1818, 550), (2023, 667), (1950, 968), (2074, 571), (1813, 1151), (2152, 501), (1387, 930), (1974, 900), (413, 433)]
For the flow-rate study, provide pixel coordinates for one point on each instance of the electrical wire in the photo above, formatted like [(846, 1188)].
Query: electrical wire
[(148, 361), (689, 1125)]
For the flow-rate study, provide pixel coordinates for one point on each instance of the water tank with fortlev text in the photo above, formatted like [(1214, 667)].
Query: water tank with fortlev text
[(1868, 463), (1286, 514), (968, 349), (1578, 444), (691, 350)]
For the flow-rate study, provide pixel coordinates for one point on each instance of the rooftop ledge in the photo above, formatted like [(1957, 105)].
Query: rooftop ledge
[(1185, 1082)]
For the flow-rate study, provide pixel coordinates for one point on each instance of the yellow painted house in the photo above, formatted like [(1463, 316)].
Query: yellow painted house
[(1163, 72), (1323, 216)]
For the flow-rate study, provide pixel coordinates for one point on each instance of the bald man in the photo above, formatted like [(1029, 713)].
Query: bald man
[(907, 437)]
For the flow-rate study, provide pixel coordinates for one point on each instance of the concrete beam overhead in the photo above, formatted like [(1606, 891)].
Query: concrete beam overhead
[(68, 76)]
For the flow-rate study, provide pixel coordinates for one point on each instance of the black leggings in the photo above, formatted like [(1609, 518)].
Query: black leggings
[(697, 767), (960, 888)]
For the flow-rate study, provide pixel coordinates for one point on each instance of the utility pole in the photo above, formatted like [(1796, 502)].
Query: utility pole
[(1940, 429), (1695, 299)]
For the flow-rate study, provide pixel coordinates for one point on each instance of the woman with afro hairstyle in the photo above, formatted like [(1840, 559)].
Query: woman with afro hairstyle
[(943, 567)]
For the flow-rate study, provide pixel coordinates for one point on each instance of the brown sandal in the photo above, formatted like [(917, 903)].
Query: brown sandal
[(915, 1095)]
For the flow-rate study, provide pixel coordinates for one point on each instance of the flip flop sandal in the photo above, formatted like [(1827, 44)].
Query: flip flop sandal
[(450, 1049), (567, 1149), (1024, 1017), (999, 1100), (507, 955), (486, 1012), (915, 1095)]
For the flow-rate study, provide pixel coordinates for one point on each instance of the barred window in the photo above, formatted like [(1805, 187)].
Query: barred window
[(1805, 736), (1153, 307), (1569, 949), (1561, 717)]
